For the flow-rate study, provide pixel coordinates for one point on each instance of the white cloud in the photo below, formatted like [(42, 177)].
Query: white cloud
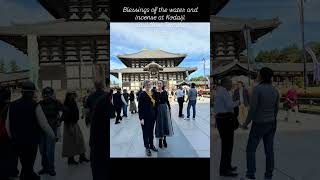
[(181, 39)]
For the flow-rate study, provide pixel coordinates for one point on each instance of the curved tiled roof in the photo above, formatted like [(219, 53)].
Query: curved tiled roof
[(152, 54), (229, 24)]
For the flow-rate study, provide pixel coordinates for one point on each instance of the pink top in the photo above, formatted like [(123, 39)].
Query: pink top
[(292, 97)]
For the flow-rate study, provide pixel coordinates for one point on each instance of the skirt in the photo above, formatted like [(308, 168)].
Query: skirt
[(73, 142), (163, 122), (133, 106)]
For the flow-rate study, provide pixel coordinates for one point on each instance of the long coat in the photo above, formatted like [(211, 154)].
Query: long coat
[(73, 142)]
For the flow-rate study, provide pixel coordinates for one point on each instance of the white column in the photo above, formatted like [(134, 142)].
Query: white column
[(187, 74), (120, 79), (33, 55)]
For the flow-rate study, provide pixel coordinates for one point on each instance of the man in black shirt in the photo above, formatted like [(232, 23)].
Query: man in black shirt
[(99, 137), (118, 102), (92, 100)]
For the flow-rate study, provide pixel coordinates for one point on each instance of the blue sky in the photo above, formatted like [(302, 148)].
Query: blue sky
[(192, 39)]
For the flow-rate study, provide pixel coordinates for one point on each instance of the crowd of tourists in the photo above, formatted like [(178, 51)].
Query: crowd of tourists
[(28, 125), (239, 109), (154, 110)]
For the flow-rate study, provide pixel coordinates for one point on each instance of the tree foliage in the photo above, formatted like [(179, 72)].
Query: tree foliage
[(200, 78), (2, 66), (290, 54), (14, 66)]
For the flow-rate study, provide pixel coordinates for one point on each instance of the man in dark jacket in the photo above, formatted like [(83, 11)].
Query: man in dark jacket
[(118, 101), (52, 109), (24, 123), (8, 157), (92, 100), (99, 137)]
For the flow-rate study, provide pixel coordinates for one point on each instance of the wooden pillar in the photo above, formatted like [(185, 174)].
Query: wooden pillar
[(33, 56), (120, 79)]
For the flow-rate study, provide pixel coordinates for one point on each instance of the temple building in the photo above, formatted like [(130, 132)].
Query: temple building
[(151, 65), (69, 52), (13, 79), (229, 48)]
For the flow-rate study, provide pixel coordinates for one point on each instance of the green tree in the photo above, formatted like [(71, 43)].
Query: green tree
[(200, 78), (14, 66)]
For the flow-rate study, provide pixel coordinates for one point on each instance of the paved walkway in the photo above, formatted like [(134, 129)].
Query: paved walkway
[(297, 150), (191, 138), (65, 172)]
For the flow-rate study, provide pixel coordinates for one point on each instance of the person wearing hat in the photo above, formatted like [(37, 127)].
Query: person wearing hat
[(52, 109), (25, 121)]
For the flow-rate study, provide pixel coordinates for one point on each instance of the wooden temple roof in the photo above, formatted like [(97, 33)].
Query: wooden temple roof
[(233, 24), (153, 64), (60, 8), (57, 9), (151, 55), (141, 70), (16, 34), (217, 5), (14, 76), (239, 67), (59, 27)]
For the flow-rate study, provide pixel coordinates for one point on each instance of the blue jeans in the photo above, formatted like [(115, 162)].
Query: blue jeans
[(193, 104), (125, 110), (47, 151), (266, 132)]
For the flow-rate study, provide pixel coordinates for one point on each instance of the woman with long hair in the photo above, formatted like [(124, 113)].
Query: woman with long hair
[(163, 116), (73, 142)]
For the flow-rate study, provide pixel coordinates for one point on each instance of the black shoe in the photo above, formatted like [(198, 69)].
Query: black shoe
[(228, 174), (52, 173), (160, 143), (148, 152), (165, 143), (153, 148), (71, 161), (117, 122), (43, 171), (83, 159)]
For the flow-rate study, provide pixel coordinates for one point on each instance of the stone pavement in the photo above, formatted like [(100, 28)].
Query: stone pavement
[(296, 148), (191, 138)]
